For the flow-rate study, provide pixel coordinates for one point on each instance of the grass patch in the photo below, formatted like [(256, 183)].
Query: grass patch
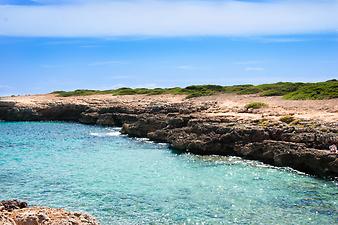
[(292, 121), (294, 91), (287, 119), (255, 105), (264, 123)]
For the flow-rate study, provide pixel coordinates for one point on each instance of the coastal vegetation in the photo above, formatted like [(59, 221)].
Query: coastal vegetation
[(289, 90), (287, 119), (255, 105), (293, 121)]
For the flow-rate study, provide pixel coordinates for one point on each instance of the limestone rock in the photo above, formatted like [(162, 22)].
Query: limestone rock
[(12, 214)]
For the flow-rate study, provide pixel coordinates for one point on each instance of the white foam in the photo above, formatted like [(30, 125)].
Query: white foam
[(109, 133)]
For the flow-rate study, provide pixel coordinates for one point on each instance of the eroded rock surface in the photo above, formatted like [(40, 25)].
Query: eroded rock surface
[(14, 212)]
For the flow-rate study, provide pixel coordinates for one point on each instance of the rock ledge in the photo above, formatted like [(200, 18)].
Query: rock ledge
[(14, 212)]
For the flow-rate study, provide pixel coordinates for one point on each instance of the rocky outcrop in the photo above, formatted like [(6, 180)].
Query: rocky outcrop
[(298, 148), (47, 112), (11, 205), (189, 127), (14, 212)]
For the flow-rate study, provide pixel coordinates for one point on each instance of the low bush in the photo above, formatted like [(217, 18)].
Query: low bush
[(321, 90), (294, 91), (279, 89), (255, 105)]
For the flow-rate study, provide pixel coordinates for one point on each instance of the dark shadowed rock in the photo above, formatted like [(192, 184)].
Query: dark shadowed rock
[(294, 155), (89, 118), (10, 205), (105, 119)]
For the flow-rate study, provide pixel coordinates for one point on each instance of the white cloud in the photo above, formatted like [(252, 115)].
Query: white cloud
[(169, 18)]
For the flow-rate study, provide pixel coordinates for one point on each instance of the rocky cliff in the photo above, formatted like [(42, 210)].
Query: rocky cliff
[(199, 128)]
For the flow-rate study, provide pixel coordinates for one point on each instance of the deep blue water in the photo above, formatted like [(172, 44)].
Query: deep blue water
[(133, 181)]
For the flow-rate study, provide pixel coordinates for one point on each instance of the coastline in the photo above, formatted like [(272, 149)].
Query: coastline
[(212, 125)]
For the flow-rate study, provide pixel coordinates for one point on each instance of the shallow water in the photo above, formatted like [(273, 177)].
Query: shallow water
[(132, 181)]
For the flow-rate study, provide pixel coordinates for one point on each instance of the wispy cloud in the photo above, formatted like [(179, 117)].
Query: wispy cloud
[(280, 39), (254, 69), (3, 86), (169, 18), (329, 62), (186, 67), (249, 62), (51, 66), (121, 77), (90, 46), (107, 62)]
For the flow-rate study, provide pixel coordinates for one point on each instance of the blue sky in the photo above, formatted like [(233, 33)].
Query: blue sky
[(48, 45)]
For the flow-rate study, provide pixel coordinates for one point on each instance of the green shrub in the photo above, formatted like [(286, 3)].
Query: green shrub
[(321, 90), (255, 105), (202, 90), (208, 87), (279, 89), (248, 91), (242, 89), (79, 92)]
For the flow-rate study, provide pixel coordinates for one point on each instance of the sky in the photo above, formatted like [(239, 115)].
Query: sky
[(48, 45)]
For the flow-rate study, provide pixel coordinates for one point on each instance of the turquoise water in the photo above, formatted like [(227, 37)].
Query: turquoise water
[(132, 181)]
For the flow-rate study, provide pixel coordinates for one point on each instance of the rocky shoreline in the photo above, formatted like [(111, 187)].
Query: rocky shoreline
[(14, 212), (198, 128)]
